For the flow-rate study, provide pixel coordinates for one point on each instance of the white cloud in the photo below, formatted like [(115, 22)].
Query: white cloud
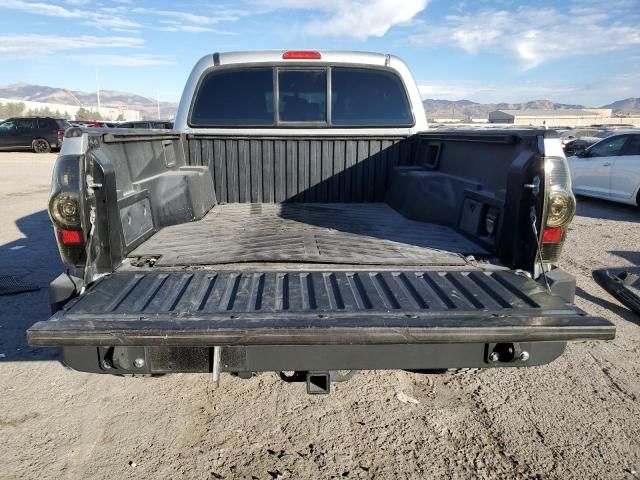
[(97, 18), (178, 27), (106, 22), (38, 8), (106, 60), (179, 21), (186, 17), (31, 45), (535, 35), (359, 19), (185, 28), (217, 14)]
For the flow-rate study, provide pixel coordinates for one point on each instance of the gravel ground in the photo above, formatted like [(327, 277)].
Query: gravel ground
[(578, 417)]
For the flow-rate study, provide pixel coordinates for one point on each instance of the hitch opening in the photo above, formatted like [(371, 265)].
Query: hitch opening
[(318, 383)]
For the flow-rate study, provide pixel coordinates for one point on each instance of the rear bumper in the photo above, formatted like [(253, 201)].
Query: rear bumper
[(326, 329), (276, 358)]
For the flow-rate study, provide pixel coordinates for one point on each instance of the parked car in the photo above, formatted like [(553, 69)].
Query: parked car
[(329, 230), (609, 169), (148, 124), (569, 135), (94, 124), (577, 145), (88, 123), (40, 134)]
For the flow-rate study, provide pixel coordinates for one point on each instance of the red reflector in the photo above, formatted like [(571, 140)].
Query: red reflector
[(72, 237), (301, 55), (552, 235)]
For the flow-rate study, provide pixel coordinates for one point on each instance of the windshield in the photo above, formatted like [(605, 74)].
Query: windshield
[(603, 134)]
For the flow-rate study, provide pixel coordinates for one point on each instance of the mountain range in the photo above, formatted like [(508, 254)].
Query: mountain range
[(108, 98), (468, 109), (434, 108)]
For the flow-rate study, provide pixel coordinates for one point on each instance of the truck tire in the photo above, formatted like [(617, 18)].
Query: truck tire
[(40, 145)]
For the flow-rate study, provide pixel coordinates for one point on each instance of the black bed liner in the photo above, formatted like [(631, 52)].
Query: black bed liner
[(315, 307), (349, 233)]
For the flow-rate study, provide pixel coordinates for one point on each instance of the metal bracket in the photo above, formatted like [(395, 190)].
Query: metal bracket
[(215, 371), (534, 219), (534, 186)]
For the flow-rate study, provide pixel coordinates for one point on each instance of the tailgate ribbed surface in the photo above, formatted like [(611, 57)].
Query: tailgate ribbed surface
[(305, 292), (315, 308)]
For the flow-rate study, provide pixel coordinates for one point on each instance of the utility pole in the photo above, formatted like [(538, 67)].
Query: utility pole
[(158, 102), (98, 91)]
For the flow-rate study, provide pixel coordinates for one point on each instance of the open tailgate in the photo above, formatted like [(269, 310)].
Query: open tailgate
[(156, 308)]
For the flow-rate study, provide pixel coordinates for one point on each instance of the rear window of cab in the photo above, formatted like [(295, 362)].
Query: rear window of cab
[(322, 97)]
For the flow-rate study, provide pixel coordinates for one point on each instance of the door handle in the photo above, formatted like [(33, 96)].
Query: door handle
[(608, 164)]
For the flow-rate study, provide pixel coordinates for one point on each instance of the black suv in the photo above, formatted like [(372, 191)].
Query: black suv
[(40, 134)]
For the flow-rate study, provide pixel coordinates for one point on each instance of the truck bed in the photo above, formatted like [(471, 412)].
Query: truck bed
[(354, 233)]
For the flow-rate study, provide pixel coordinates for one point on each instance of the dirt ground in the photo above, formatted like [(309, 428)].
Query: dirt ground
[(578, 417)]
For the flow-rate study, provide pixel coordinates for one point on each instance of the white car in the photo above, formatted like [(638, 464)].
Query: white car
[(609, 169)]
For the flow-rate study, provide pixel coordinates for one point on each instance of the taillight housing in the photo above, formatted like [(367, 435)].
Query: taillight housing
[(60, 134), (65, 209), (560, 207)]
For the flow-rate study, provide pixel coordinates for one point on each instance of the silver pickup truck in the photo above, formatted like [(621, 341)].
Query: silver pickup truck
[(301, 217)]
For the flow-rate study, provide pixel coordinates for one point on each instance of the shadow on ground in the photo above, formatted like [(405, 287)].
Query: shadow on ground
[(605, 209), (619, 310), (31, 259), (632, 257)]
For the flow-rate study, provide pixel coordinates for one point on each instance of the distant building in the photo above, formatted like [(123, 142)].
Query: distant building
[(561, 117), (107, 113), (458, 120)]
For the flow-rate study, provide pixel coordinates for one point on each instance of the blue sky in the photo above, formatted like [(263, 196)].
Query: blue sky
[(574, 51)]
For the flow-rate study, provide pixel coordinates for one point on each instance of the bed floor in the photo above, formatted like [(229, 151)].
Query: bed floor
[(353, 233)]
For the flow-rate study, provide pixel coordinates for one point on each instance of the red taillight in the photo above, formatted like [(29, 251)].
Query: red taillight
[(71, 237), (301, 55), (552, 235), (60, 134)]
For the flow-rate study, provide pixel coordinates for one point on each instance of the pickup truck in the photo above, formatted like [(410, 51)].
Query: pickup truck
[(301, 217)]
